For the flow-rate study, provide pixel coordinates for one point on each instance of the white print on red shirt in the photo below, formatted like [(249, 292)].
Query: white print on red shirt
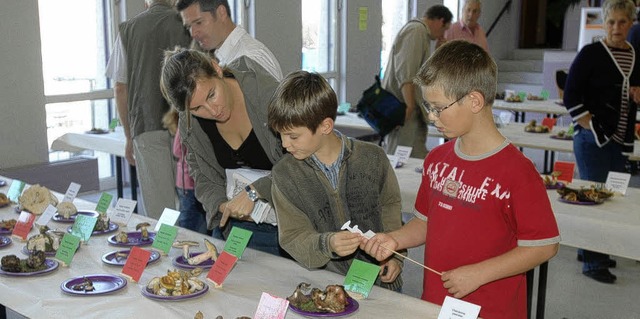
[(449, 181)]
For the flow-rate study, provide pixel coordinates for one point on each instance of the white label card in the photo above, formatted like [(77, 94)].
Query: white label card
[(393, 160), (618, 182), (72, 192), (403, 153), (505, 117), (46, 215), (169, 216), (121, 213), (453, 308), (271, 307)]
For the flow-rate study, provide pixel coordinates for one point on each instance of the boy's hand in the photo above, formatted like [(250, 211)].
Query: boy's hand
[(390, 269), (344, 243), (461, 281), (373, 246)]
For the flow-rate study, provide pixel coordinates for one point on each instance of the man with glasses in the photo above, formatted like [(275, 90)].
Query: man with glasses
[(210, 25), (411, 48), (468, 28)]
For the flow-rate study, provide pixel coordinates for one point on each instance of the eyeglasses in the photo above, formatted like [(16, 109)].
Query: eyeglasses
[(436, 112)]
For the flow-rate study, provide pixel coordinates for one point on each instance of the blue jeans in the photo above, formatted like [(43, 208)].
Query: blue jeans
[(192, 214), (594, 163), (264, 237)]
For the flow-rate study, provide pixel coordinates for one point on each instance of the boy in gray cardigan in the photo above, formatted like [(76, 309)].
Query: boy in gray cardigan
[(327, 179)]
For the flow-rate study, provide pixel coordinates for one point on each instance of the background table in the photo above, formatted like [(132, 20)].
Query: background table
[(549, 107), (257, 272)]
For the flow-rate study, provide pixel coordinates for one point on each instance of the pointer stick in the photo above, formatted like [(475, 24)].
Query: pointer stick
[(411, 260)]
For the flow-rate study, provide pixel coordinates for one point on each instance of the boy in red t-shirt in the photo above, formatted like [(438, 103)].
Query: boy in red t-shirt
[(482, 210)]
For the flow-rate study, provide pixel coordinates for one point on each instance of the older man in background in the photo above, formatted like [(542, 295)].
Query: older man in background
[(135, 65), (210, 25), (468, 28)]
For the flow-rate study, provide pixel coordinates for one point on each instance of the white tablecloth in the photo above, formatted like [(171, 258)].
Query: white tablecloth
[(256, 272)]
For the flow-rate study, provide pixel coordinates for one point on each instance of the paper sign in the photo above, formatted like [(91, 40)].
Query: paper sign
[(104, 203), (361, 277), (68, 247), (393, 160), (237, 241), (169, 217), (46, 215), (83, 227), (403, 153), (71, 193), (565, 169), (505, 117), (453, 308), (164, 238), (221, 268), (363, 16), (15, 190), (271, 307), (549, 122), (136, 262), (23, 225), (618, 182), (121, 213)]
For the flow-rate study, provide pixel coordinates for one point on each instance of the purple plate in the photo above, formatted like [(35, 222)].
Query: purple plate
[(351, 308), (133, 240), (147, 293), (59, 218), (180, 262), (112, 227), (556, 186), (102, 284), (110, 258), (4, 241), (2, 182), (564, 138), (5, 231), (51, 266), (578, 203)]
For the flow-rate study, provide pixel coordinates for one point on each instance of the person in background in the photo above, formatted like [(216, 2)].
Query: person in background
[(210, 25), (328, 179), (135, 66), (468, 28), (192, 214), (634, 33), (223, 124), (601, 85), (410, 49), (482, 210)]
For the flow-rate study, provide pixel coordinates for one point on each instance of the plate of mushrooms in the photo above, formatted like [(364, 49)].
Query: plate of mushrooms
[(191, 260), (141, 237)]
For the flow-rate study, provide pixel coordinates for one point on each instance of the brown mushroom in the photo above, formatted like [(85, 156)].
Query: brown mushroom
[(185, 244), (142, 227)]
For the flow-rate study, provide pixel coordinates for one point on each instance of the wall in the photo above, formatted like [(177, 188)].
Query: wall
[(23, 136), (279, 26)]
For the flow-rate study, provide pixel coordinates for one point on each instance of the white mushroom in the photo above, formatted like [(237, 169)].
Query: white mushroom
[(210, 254), (66, 209), (185, 244)]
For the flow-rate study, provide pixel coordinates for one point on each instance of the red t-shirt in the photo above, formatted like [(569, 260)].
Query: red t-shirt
[(478, 208)]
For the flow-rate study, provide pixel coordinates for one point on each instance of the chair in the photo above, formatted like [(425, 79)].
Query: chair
[(561, 79)]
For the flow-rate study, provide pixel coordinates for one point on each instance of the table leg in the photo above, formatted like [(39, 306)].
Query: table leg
[(134, 185), (530, 274), (542, 290), (119, 161)]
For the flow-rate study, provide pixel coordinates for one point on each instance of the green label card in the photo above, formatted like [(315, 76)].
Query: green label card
[(113, 124), (237, 241), (15, 190), (67, 249), (164, 238), (104, 203), (361, 277), (83, 227)]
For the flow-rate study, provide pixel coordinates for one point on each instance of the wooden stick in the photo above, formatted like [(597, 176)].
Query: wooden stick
[(411, 260)]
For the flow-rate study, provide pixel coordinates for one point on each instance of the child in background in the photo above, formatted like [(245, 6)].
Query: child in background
[(482, 210), (327, 179), (192, 214)]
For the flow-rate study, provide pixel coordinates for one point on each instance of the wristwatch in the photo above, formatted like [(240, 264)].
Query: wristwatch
[(253, 195)]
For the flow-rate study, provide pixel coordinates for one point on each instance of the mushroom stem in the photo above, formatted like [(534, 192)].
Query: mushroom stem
[(211, 253)]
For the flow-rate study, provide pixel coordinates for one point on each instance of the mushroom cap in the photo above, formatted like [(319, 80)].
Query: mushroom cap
[(143, 224), (182, 243)]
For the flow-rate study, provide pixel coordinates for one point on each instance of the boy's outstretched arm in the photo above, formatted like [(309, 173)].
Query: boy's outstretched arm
[(412, 234), (466, 279)]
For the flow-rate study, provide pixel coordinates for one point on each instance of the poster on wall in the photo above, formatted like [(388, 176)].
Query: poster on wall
[(591, 26)]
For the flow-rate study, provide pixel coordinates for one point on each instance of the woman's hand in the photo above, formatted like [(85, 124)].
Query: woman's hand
[(585, 121), (239, 207)]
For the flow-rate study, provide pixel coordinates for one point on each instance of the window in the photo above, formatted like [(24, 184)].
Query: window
[(395, 14), (320, 39), (454, 6)]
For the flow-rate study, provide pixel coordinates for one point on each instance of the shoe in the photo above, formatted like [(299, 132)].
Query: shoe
[(601, 275), (612, 262)]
